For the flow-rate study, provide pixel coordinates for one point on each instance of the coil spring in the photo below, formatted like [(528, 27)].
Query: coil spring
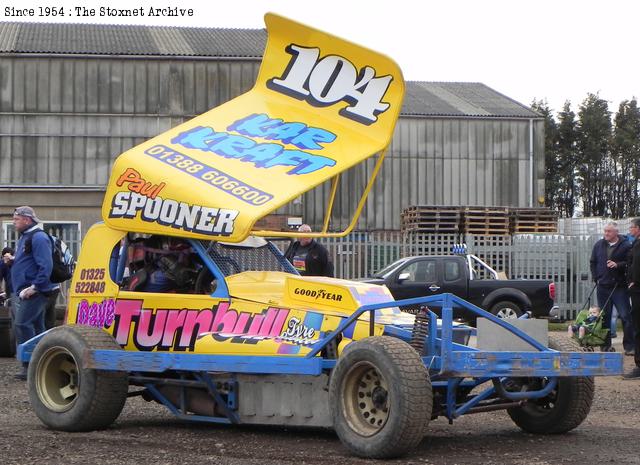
[(420, 330)]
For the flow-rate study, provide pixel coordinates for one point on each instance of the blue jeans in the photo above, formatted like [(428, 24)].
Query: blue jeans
[(619, 298), (29, 317)]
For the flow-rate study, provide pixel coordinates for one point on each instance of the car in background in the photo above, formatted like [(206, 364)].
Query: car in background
[(470, 278)]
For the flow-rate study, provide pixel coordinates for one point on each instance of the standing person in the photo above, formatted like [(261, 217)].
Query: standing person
[(634, 291), (308, 256), (50, 316), (608, 270), (6, 260), (30, 277)]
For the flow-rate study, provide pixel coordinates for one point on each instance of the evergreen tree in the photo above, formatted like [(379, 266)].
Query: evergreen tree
[(552, 175), (625, 152), (595, 169), (567, 162)]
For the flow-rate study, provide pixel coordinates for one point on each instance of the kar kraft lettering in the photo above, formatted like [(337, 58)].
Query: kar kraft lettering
[(265, 155), (180, 215), (330, 80), (178, 330)]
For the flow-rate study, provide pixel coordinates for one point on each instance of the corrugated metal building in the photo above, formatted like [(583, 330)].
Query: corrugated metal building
[(73, 97)]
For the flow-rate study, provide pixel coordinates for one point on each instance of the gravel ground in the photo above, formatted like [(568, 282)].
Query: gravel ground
[(146, 433)]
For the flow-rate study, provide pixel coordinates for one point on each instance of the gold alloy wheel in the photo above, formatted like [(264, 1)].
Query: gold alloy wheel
[(57, 379), (366, 399)]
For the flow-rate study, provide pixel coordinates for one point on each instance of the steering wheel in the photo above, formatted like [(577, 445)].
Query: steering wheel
[(206, 283)]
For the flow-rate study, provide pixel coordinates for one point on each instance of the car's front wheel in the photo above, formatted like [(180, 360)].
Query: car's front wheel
[(380, 397), (63, 393)]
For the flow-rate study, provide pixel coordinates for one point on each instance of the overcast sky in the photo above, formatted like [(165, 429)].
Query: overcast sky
[(546, 49)]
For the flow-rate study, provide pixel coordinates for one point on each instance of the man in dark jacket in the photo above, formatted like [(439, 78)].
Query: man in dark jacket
[(308, 256), (30, 275), (634, 291), (608, 270), (6, 260)]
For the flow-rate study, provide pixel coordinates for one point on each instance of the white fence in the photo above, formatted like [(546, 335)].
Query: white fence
[(562, 259)]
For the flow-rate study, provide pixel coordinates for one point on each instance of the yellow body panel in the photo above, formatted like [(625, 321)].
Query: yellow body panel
[(267, 313), (320, 105)]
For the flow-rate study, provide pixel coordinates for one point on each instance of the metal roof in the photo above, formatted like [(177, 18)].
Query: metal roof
[(461, 99), (101, 39), (446, 99)]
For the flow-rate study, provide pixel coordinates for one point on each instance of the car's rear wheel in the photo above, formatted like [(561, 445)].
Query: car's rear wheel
[(564, 408)]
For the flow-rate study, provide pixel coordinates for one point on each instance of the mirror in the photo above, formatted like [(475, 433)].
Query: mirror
[(403, 276)]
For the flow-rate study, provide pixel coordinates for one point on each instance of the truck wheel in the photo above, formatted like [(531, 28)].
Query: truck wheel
[(66, 396), (564, 408), (506, 309), (380, 397), (7, 343)]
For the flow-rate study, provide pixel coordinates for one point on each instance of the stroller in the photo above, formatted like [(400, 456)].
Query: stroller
[(596, 335)]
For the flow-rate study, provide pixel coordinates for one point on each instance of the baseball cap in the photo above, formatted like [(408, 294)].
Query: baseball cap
[(28, 212)]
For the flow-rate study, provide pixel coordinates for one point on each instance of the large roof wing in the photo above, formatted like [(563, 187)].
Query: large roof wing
[(320, 105)]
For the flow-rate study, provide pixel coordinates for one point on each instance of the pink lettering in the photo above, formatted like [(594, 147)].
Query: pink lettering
[(126, 310), (278, 325), (241, 325), (96, 314), (175, 321), (195, 318), (268, 321), (146, 338)]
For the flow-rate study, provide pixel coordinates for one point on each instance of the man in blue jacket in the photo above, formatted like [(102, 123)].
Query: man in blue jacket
[(608, 270), (30, 275)]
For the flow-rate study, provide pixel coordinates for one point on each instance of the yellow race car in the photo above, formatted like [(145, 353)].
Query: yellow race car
[(178, 298)]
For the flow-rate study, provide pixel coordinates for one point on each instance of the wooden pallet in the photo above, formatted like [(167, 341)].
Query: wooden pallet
[(486, 220), (431, 228), (533, 220), (430, 219)]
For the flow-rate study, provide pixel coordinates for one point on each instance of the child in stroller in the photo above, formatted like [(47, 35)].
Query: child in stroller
[(587, 329)]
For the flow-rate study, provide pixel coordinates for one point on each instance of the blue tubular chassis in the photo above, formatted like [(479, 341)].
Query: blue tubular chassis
[(455, 369)]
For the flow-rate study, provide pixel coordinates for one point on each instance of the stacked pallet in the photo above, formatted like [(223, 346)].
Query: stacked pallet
[(488, 221), (273, 222), (533, 220), (431, 219)]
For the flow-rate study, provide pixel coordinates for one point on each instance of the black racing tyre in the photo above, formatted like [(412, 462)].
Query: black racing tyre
[(66, 396), (7, 343), (380, 397), (506, 309), (565, 407)]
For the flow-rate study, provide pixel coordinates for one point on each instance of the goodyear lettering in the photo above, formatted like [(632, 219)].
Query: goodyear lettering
[(331, 79), (262, 155), (319, 294), (179, 215)]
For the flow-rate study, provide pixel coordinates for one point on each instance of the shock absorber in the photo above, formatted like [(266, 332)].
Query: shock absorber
[(420, 329)]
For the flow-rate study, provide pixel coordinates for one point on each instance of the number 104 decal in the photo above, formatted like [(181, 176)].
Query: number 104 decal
[(326, 81)]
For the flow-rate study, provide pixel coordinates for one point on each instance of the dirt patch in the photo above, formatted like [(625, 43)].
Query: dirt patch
[(146, 433)]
